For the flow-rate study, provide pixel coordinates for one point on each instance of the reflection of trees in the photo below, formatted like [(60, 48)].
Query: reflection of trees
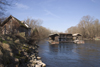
[(93, 42), (89, 51)]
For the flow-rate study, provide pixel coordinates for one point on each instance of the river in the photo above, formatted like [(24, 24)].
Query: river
[(70, 54)]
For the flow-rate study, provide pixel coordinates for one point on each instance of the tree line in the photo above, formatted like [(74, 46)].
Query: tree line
[(88, 27), (36, 25), (43, 32), (37, 30)]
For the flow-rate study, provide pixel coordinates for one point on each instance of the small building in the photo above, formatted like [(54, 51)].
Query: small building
[(54, 37), (12, 25), (77, 36), (65, 37)]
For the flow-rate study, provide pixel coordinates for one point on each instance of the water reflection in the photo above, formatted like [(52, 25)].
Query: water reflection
[(71, 55), (62, 47), (89, 52), (53, 48)]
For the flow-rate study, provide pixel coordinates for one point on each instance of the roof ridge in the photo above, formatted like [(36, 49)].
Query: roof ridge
[(15, 19), (6, 19)]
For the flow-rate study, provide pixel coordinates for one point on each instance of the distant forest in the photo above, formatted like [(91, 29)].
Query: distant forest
[(88, 27)]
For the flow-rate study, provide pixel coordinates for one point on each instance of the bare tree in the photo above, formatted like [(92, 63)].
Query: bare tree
[(34, 24), (3, 6), (97, 27), (44, 32), (88, 27)]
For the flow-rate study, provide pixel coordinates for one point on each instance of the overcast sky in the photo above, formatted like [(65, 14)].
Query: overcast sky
[(56, 14)]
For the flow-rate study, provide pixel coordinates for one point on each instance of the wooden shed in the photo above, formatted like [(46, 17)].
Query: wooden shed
[(77, 36), (54, 37), (12, 25)]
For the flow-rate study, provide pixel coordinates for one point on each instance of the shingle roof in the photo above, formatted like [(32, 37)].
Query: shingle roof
[(5, 21)]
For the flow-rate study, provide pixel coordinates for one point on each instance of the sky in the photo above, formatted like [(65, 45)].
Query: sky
[(56, 14)]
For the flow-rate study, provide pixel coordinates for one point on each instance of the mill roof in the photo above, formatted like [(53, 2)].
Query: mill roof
[(22, 24)]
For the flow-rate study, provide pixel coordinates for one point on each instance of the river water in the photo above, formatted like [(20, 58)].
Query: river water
[(70, 54)]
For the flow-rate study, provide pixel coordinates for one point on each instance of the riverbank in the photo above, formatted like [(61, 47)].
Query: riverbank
[(16, 51)]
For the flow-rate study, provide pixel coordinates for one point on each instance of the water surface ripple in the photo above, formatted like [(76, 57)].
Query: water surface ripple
[(70, 54)]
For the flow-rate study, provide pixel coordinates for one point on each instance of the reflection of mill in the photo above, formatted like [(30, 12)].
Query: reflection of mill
[(53, 48), (62, 47), (65, 47)]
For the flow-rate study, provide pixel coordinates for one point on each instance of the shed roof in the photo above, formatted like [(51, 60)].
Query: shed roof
[(77, 34), (53, 35), (7, 19)]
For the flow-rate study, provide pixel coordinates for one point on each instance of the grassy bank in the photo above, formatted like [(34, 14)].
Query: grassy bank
[(17, 51)]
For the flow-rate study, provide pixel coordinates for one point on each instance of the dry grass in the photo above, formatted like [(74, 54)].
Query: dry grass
[(12, 46), (6, 46)]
